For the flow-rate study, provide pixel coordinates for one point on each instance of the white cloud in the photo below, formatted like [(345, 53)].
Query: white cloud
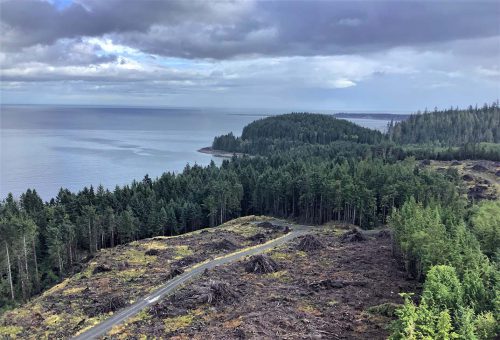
[(343, 83)]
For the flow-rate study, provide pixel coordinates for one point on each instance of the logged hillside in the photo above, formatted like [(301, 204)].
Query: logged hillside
[(116, 277), (327, 285), (331, 283), (283, 132), (449, 127)]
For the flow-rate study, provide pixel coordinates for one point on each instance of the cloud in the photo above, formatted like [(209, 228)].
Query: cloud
[(227, 29), (248, 51)]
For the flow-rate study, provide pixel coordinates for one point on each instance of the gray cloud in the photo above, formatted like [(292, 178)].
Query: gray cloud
[(280, 53), (196, 29), (30, 22), (69, 52)]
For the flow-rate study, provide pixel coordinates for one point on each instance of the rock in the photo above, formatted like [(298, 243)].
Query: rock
[(455, 163)]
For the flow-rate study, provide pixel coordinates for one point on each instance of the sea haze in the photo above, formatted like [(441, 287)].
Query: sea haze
[(49, 147)]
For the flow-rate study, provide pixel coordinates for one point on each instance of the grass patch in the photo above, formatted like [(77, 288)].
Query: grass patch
[(280, 256), (118, 331), (23, 312), (244, 226), (309, 309), (56, 288), (10, 331), (130, 274), (178, 322), (137, 257), (52, 320), (87, 273), (91, 322), (153, 245), (182, 251), (281, 275), (75, 290)]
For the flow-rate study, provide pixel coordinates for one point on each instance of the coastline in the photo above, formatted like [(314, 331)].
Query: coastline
[(220, 153)]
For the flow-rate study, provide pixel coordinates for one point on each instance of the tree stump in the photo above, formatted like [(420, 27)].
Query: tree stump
[(261, 264)]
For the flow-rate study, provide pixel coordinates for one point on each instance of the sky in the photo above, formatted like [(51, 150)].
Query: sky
[(391, 56)]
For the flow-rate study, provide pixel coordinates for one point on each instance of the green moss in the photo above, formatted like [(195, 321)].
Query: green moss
[(10, 331), (281, 275), (279, 256), (142, 315), (244, 226), (74, 290), (91, 322), (87, 272), (53, 319), (136, 257), (178, 322), (153, 245), (129, 274), (182, 251), (309, 309)]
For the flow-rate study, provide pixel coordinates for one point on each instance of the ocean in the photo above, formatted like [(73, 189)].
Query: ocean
[(48, 147)]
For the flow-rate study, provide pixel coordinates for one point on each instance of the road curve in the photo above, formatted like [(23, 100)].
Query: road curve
[(105, 326)]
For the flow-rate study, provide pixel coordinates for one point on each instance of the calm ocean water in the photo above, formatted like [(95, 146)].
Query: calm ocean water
[(47, 148)]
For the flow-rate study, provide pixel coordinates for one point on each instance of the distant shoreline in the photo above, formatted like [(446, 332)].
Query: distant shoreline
[(375, 116), (220, 153), (344, 115)]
